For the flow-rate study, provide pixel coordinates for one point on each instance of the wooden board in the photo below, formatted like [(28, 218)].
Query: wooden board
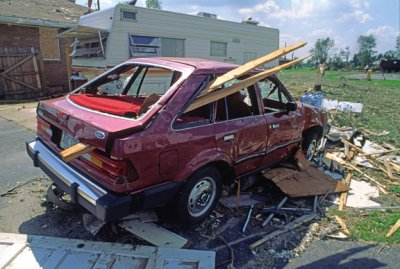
[(154, 234), (216, 95), (343, 196), (394, 228), (75, 151), (49, 43), (29, 251), (309, 181), (245, 68)]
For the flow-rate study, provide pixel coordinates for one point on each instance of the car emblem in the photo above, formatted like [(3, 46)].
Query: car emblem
[(100, 134)]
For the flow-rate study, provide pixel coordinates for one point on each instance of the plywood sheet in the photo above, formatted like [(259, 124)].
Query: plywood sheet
[(49, 43), (309, 181)]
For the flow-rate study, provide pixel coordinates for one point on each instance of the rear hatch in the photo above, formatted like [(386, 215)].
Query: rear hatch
[(71, 124)]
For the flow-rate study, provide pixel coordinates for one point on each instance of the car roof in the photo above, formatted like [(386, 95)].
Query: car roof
[(201, 66)]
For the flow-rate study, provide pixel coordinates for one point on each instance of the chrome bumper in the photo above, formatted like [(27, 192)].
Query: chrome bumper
[(82, 189)]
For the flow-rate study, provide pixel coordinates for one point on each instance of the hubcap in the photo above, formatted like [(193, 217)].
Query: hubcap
[(312, 148), (202, 196)]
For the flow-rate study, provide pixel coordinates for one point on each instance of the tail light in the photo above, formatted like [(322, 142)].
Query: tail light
[(44, 127), (120, 171)]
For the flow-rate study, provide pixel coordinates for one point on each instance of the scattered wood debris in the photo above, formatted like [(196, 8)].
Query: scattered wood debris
[(154, 234), (309, 181), (343, 196), (288, 227), (394, 228), (342, 224)]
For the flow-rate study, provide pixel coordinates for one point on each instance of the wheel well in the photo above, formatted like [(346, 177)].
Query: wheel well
[(224, 168), (314, 129)]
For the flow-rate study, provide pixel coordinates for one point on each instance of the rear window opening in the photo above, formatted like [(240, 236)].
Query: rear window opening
[(129, 90)]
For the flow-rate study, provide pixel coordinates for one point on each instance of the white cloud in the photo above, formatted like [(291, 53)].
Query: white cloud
[(358, 15), (321, 32), (385, 37), (357, 4)]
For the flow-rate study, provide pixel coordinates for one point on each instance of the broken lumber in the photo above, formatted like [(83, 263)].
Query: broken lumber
[(75, 151), (341, 187), (394, 228), (216, 95), (380, 152), (342, 224), (343, 196), (395, 166), (288, 227), (344, 163), (372, 159), (388, 170), (243, 69), (154, 234)]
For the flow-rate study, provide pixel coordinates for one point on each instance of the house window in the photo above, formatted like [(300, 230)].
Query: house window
[(172, 47), (144, 46), (156, 46), (90, 48), (128, 15), (218, 49)]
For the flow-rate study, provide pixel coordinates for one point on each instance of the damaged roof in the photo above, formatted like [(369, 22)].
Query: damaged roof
[(38, 12)]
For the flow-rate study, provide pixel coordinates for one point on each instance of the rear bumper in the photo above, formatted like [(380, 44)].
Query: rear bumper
[(100, 202)]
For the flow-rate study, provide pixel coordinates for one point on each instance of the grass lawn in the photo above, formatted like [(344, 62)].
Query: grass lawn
[(380, 99)]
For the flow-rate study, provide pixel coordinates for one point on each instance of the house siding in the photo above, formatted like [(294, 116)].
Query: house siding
[(197, 32)]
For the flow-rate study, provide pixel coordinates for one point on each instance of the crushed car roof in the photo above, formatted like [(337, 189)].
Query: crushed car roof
[(202, 66)]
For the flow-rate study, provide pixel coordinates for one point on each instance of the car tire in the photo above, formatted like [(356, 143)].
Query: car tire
[(199, 195), (310, 144)]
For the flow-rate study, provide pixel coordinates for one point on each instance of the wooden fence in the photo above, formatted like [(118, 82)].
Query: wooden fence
[(20, 72)]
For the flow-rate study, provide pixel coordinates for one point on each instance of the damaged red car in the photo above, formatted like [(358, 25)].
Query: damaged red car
[(148, 149)]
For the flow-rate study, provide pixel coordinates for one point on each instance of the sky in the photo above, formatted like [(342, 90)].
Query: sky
[(303, 20)]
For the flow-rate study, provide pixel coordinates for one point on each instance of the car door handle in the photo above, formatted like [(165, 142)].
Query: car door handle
[(228, 138), (275, 126)]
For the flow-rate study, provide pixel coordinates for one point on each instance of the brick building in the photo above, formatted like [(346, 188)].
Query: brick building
[(33, 61)]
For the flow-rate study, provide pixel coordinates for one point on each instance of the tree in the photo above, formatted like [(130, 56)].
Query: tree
[(345, 54), (153, 4), (320, 51), (398, 46), (367, 51)]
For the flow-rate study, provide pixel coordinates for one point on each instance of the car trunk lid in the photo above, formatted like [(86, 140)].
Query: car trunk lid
[(89, 127)]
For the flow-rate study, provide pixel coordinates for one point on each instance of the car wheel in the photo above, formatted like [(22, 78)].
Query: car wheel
[(310, 145), (199, 195)]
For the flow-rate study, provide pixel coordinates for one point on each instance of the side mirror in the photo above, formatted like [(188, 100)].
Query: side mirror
[(291, 106)]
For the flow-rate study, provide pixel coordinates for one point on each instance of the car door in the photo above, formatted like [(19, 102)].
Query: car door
[(284, 126), (241, 130)]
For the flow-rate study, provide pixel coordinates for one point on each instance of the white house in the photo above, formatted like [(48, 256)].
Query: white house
[(127, 31)]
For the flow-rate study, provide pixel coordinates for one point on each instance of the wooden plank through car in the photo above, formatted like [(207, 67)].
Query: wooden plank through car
[(212, 96), (245, 68), (75, 151)]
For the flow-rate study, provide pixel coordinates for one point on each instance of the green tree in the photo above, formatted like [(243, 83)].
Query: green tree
[(345, 54), (367, 45), (320, 51), (398, 46), (153, 4)]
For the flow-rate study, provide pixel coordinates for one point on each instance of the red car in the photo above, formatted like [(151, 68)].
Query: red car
[(150, 150)]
